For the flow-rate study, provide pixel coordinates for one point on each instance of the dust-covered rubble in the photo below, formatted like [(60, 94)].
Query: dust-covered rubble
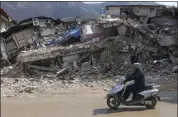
[(25, 87), (11, 87)]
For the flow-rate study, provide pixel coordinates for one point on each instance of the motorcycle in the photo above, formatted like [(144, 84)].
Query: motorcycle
[(147, 97)]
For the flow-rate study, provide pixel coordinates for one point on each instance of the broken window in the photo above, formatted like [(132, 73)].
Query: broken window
[(158, 11), (11, 46), (122, 10), (152, 9)]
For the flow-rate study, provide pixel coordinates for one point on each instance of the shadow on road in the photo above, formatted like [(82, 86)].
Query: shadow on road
[(120, 109)]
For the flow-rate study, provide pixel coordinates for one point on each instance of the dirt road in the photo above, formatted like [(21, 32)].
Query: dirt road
[(79, 103)]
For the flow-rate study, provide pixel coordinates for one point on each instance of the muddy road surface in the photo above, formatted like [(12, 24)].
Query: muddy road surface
[(82, 103)]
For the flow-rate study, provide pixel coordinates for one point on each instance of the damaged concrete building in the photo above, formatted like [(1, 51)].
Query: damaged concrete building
[(27, 32), (102, 44), (165, 24), (141, 9), (6, 22)]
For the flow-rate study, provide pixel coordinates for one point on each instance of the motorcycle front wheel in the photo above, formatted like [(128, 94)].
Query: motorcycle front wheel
[(112, 102)]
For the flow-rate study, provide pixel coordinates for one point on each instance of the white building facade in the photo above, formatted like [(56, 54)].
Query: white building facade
[(140, 10)]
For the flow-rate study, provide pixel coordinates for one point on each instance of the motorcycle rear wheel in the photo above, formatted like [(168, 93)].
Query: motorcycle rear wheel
[(153, 103), (112, 102)]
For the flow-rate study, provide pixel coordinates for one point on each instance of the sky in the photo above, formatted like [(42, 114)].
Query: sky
[(168, 3), (164, 3)]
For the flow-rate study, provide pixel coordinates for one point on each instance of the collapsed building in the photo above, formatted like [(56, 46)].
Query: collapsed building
[(102, 44), (165, 24), (26, 33)]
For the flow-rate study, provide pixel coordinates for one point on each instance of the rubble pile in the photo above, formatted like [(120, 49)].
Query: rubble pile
[(34, 87), (45, 47), (115, 59), (23, 87)]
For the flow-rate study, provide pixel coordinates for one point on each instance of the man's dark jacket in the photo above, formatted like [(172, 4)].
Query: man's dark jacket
[(139, 79)]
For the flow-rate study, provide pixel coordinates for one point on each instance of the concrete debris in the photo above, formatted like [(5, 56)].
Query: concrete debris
[(75, 65), (42, 47), (175, 69), (6, 70), (62, 71), (27, 89), (19, 87), (173, 59), (85, 67), (41, 68)]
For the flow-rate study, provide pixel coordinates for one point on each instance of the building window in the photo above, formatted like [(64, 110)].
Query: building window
[(152, 9), (159, 11), (126, 9)]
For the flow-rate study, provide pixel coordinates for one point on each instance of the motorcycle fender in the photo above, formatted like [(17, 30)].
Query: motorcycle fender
[(115, 96), (110, 95)]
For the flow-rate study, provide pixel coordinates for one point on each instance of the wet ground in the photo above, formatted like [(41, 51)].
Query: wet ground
[(83, 103)]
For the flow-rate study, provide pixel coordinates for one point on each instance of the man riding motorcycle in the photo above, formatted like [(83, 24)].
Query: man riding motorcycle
[(139, 79)]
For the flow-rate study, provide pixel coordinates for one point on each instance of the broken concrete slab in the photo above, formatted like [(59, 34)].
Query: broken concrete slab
[(168, 40), (62, 71), (69, 66), (175, 69), (122, 29), (151, 48), (76, 67), (52, 52), (70, 59), (42, 68), (173, 59), (85, 67)]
